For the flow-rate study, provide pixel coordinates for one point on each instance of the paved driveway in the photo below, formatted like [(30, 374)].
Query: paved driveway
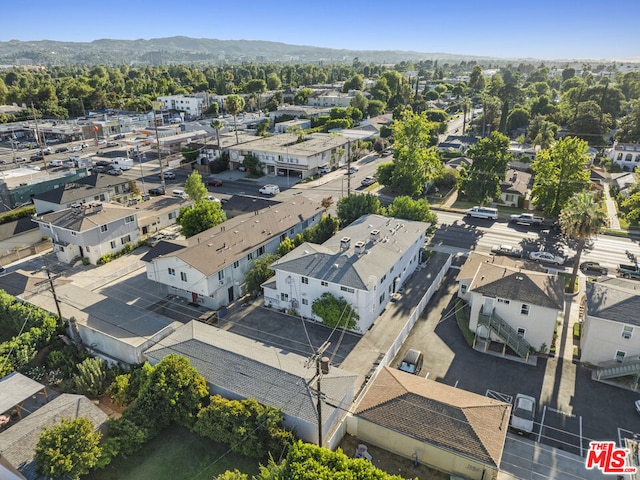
[(593, 411)]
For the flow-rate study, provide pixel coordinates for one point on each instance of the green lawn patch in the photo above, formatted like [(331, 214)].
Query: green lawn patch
[(177, 453), (463, 322)]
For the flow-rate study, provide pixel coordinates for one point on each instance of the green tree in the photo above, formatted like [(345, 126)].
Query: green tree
[(256, 85), (352, 207), (334, 312), (217, 125), (302, 96), (285, 247), (195, 188), (581, 219), (560, 172), (518, 117), (415, 162), (410, 209), (190, 154), (273, 81), (234, 474), (490, 158), (69, 449), (376, 107), (259, 272), (234, 104), (590, 123), (202, 216), (542, 132), (629, 128), (305, 461), (252, 429), (173, 393), (360, 102), (631, 206), (92, 373)]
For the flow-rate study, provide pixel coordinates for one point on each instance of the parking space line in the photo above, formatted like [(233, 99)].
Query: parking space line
[(580, 418), (456, 384), (544, 412), (427, 375)]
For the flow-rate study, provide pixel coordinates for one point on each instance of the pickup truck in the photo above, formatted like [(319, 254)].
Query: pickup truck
[(629, 271), (526, 219)]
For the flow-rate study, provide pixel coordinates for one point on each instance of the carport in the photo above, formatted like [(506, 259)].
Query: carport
[(15, 389)]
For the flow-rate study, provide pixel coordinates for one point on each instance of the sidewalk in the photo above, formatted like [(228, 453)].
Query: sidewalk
[(614, 222)]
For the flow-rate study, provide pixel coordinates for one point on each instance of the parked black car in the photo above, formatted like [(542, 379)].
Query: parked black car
[(156, 191), (593, 268)]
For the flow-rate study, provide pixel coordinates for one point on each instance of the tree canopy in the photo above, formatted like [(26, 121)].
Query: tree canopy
[(410, 209), (334, 312), (259, 272), (202, 216), (490, 159), (195, 188), (69, 449), (560, 172), (415, 162), (352, 207)]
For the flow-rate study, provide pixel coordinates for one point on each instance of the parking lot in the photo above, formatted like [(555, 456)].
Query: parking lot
[(572, 409)]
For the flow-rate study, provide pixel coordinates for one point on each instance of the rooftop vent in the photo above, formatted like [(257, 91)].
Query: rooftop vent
[(345, 243), (97, 207), (359, 247), (374, 235)]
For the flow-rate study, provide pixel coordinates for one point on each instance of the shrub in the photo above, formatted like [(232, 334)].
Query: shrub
[(577, 329), (91, 376)]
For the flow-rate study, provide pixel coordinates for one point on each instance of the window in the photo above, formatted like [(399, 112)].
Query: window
[(172, 271), (620, 356), (261, 250), (45, 225), (284, 297), (463, 288), (626, 332), (524, 309), (73, 234), (236, 264), (384, 277), (347, 289), (521, 332), (282, 237), (221, 275), (381, 299), (250, 257), (126, 239), (305, 301), (324, 284), (305, 224), (172, 215), (128, 219), (183, 276), (502, 300), (305, 280), (103, 228), (113, 244), (291, 231)]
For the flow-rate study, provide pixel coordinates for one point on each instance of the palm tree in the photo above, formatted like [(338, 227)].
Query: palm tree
[(234, 104), (582, 218), (217, 125)]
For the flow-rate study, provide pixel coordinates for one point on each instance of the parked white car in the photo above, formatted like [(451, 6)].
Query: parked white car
[(523, 414), (546, 257)]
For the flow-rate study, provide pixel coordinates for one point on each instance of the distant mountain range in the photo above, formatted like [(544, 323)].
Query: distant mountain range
[(172, 50), (198, 50)]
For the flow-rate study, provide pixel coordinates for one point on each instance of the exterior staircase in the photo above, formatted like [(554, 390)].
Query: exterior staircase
[(608, 370), (506, 333)]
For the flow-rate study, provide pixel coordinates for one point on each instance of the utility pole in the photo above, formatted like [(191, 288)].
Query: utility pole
[(322, 368), (155, 125), (348, 168), (53, 291), (38, 139)]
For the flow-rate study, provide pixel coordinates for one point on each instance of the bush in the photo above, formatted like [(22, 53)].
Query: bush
[(17, 214), (577, 330)]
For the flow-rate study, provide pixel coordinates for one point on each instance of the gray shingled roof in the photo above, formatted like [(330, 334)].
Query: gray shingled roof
[(456, 420), (86, 218), (526, 286), (71, 192), (344, 267), (18, 442), (252, 370), (213, 249), (612, 302)]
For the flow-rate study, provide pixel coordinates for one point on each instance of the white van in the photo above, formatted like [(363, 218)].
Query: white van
[(482, 212), (123, 163), (324, 169), (179, 193), (269, 189)]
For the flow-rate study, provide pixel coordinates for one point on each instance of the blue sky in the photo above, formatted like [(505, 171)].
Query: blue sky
[(545, 29)]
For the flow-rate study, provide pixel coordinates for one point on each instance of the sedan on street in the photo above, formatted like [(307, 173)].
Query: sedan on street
[(352, 169), (214, 182), (169, 175), (593, 268), (508, 250), (546, 257)]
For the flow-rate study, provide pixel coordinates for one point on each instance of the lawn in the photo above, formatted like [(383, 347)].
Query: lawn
[(174, 455)]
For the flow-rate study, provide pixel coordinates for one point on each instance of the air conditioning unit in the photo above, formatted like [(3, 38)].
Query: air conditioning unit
[(221, 282)]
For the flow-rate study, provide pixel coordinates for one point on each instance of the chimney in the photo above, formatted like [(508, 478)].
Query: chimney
[(345, 243)]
